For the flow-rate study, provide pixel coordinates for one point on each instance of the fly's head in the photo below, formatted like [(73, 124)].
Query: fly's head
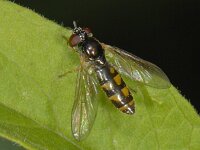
[(85, 44), (79, 36)]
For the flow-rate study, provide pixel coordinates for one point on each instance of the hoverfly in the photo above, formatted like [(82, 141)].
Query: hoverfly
[(104, 63)]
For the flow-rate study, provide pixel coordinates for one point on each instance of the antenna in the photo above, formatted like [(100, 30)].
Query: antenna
[(74, 23)]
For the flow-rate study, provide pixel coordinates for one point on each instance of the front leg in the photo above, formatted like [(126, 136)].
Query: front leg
[(70, 71)]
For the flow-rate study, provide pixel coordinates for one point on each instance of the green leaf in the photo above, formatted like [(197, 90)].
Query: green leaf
[(35, 104)]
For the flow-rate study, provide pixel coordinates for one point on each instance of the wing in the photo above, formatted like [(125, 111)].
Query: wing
[(136, 68), (85, 104)]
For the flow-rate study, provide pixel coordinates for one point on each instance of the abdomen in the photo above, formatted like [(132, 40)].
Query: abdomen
[(116, 89)]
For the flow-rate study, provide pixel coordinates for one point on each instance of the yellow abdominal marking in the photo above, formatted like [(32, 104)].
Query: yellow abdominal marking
[(125, 91), (112, 70), (126, 106), (118, 79), (107, 86), (114, 98), (131, 103)]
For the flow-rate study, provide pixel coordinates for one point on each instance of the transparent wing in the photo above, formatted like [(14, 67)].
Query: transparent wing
[(85, 104), (136, 68)]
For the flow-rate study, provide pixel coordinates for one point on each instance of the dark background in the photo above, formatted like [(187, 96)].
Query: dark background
[(165, 32)]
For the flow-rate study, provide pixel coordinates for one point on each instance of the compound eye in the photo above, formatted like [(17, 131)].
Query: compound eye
[(88, 31), (74, 40)]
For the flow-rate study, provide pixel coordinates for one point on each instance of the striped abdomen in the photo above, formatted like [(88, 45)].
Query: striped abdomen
[(116, 89)]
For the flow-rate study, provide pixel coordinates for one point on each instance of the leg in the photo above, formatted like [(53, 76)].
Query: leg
[(132, 90), (67, 40), (69, 71)]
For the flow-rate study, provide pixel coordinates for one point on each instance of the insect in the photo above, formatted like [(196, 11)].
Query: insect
[(103, 65)]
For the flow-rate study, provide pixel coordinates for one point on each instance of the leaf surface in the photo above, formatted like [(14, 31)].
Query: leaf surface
[(35, 104)]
